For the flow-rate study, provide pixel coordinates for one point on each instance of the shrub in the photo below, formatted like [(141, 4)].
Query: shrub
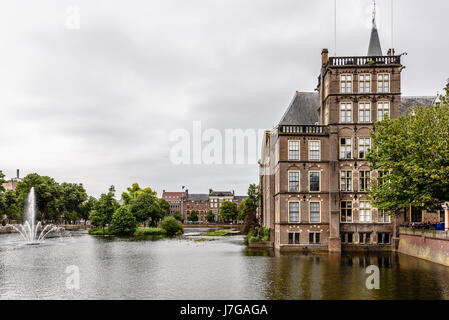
[(172, 226), (177, 215), (99, 232), (149, 232), (123, 221)]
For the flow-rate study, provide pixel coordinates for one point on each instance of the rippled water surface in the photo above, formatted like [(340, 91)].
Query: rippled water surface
[(119, 268)]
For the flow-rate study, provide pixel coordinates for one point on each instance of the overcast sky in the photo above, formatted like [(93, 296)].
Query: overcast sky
[(97, 104)]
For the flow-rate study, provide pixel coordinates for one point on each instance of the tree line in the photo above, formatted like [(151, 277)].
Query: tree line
[(69, 202)]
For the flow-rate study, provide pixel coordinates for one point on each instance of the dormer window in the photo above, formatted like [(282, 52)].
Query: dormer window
[(346, 83)]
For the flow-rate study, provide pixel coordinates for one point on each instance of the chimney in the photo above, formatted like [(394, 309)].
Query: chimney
[(390, 52), (18, 175), (324, 56), (163, 191)]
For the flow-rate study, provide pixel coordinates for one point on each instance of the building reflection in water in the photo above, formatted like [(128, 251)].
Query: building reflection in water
[(300, 276)]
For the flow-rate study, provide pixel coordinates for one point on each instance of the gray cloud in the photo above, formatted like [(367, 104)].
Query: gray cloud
[(97, 105)]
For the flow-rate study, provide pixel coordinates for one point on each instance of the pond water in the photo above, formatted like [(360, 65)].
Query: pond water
[(120, 268)]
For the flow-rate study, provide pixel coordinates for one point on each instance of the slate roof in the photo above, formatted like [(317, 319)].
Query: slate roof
[(303, 110), (374, 48), (410, 102), (221, 193), (198, 196)]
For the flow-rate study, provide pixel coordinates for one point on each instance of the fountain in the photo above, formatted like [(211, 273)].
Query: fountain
[(31, 232)]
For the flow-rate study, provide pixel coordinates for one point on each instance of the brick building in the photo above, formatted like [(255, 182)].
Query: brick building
[(175, 199), (198, 202), (314, 179)]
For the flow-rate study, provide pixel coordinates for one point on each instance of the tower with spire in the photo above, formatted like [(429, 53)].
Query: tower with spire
[(314, 176), (374, 48)]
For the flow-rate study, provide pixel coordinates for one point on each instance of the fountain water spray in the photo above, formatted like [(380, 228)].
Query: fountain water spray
[(30, 230)]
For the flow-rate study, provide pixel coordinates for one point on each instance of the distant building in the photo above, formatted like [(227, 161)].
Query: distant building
[(216, 198), (198, 202), (175, 199), (201, 203), (12, 183)]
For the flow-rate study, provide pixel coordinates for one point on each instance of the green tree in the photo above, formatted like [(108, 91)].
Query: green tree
[(250, 204), (143, 207), (123, 221), (412, 153), (105, 208), (193, 216), (48, 196), (164, 207), (134, 191), (228, 211), (172, 226), (9, 205), (210, 217), (97, 219), (86, 208), (72, 201), (177, 215), (2, 181)]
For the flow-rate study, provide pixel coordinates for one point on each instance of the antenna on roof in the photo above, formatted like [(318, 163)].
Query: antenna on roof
[(374, 10), (392, 23), (335, 28)]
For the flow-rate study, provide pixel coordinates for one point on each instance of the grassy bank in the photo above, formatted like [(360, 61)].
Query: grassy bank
[(137, 233), (219, 233)]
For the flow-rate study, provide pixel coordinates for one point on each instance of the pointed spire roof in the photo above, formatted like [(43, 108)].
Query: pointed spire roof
[(374, 48)]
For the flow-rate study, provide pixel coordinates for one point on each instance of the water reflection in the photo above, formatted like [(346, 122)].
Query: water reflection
[(179, 268)]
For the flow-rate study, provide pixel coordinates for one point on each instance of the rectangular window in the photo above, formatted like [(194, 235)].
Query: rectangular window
[(365, 211), (383, 83), (350, 237), (383, 217), (364, 146), (293, 211), (345, 148), (297, 234), (346, 83), (290, 238), (293, 181), (314, 238), (383, 238), (364, 177), (346, 211), (364, 83), (346, 181), (314, 181), (381, 177), (345, 112), (293, 150), (416, 215), (314, 212), (314, 150), (364, 238), (365, 112), (383, 111)]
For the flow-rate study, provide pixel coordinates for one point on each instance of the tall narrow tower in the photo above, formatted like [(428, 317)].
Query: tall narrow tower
[(354, 93)]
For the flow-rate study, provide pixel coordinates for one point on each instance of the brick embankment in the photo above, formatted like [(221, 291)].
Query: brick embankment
[(430, 245)]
